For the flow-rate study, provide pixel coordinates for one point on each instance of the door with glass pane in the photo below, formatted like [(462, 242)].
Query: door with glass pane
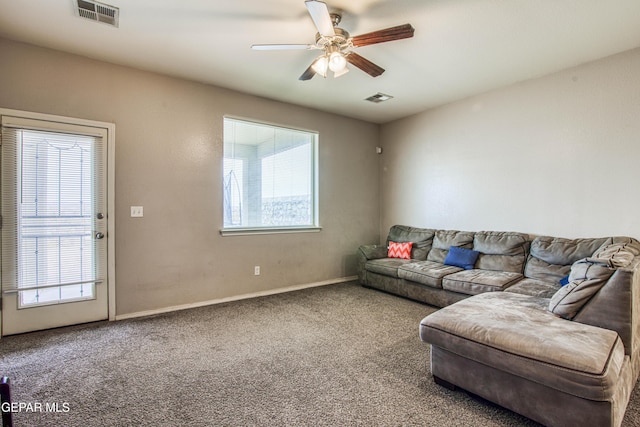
[(54, 226)]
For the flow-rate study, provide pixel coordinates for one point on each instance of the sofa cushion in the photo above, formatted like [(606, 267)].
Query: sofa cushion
[(550, 258), (585, 280), (386, 266), (472, 282), (444, 239), (399, 250), (461, 257), (428, 273), (516, 334), (422, 238), (534, 288), (501, 250), (618, 253)]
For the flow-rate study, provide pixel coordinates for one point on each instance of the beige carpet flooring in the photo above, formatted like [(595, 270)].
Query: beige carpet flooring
[(338, 355)]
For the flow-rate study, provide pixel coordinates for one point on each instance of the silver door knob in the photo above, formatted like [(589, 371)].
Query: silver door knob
[(99, 235), (100, 215)]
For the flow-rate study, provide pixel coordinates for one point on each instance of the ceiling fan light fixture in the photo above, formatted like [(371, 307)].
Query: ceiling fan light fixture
[(339, 73), (320, 65), (337, 62)]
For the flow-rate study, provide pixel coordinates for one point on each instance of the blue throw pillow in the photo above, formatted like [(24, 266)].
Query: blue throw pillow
[(564, 281), (461, 257)]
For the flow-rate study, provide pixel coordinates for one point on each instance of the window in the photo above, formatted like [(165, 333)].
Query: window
[(269, 178)]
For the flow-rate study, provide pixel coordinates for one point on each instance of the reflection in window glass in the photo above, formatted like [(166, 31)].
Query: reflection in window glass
[(269, 176)]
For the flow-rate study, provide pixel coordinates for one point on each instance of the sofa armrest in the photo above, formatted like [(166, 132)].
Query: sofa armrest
[(373, 251), (616, 307), (364, 254)]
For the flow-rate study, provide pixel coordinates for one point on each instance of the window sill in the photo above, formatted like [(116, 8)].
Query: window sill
[(268, 230)]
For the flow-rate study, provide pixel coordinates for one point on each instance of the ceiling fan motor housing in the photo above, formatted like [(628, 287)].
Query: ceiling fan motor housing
[(340, 39)]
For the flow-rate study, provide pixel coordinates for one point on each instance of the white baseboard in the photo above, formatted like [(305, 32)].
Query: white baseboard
[(234, 298)]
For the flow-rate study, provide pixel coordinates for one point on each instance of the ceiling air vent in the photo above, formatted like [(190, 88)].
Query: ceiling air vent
[(378, 97), (97, 11)]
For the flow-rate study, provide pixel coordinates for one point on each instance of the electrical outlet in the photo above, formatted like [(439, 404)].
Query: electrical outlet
[(136, 212), (256, 270)]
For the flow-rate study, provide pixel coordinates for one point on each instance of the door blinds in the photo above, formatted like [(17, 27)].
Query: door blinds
[(51, 203)]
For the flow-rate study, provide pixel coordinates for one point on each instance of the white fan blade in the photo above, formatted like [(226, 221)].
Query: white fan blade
[(283, 47), (320, 14)]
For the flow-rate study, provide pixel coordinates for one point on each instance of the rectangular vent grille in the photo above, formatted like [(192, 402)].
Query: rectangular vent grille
[(98, 12), (378, 97)]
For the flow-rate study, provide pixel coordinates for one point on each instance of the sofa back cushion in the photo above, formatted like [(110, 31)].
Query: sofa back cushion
[(617, 252), (550, 258), (422, 238), (501, 251), (585, 280), (444, 239)]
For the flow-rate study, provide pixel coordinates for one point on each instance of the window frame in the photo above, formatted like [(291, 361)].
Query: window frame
[(314, 227)]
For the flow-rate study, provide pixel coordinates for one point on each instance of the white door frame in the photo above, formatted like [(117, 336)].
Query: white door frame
[(111, 157)]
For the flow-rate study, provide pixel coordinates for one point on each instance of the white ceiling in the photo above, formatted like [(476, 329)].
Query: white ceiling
[(460, 48)]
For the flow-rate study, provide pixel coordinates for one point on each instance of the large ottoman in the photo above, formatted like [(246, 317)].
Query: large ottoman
[(508, 348)]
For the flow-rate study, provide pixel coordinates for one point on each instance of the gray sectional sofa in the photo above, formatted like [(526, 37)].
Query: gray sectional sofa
[(510, 332)]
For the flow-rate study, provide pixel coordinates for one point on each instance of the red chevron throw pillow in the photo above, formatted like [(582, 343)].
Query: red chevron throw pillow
[(400, 250)]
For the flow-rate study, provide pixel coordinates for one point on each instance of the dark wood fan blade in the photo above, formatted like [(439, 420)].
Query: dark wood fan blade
[(308, 74), (364, 64), (394, 33)]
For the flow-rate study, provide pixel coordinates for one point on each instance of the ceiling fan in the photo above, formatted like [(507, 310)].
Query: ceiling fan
[(337, 45)]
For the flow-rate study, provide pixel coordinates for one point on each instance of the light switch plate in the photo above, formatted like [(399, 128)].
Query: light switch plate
[(137, 212)]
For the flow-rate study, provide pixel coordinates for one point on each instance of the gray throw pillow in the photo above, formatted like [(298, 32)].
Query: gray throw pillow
[(586, 278)]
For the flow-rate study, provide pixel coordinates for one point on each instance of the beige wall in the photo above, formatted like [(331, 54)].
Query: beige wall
[(557, 155), (169, 159)]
